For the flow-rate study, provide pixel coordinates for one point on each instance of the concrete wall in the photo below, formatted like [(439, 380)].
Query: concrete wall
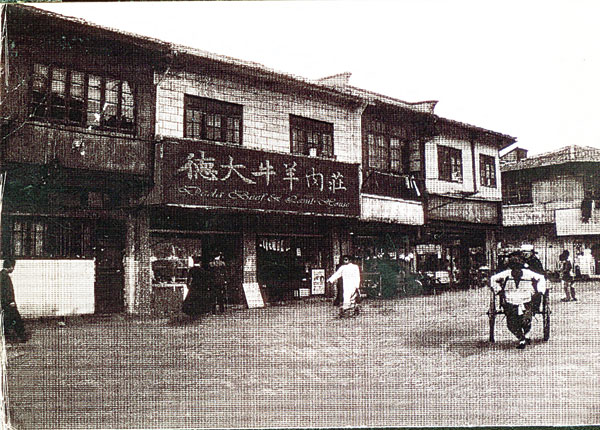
[(54, 287), (265, 112)]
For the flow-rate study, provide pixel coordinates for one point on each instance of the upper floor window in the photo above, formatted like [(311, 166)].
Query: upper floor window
[(211, 119), (73, 97), (487, 170), (311, 137), (516, 188), (387, 149), (450, 164)]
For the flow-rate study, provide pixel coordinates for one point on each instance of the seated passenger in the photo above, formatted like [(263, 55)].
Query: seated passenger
[(516, 288)]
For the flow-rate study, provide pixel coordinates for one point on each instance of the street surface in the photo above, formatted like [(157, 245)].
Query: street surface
[(422, 361)]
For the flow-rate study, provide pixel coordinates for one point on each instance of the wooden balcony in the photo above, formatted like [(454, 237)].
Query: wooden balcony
[(76, 148), (405, 187)]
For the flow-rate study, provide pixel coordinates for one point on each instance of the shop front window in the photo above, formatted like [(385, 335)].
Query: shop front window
[(172, 257)]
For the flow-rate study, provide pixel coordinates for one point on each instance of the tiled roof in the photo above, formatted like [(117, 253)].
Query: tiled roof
[(568, 154)]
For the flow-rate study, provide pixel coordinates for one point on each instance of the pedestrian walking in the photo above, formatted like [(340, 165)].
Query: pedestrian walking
[(10, 313), (349, 273), (196, 301), (516, 288), (218, 283), (566, 277)]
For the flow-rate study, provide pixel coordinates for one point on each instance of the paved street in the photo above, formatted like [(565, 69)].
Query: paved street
[(422, 361)]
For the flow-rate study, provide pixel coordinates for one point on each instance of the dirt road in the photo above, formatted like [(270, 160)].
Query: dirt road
[(422, 361)]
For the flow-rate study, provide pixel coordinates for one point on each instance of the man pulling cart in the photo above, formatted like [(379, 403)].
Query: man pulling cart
[(517, 289)]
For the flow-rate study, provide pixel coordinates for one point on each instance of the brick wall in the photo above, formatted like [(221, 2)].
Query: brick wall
[(265, 112)]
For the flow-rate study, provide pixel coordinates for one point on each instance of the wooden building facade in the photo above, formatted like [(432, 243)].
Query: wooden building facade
[(552, 201), (127, 157)]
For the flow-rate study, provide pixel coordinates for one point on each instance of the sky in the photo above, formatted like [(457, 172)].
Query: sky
[(529, 69)]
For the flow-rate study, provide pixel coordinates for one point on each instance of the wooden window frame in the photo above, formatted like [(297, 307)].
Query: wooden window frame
[(517, 189), (450, 167), (50, 101), (387, 148), (309, 134), (36, 237), (214, 120), (487, 171)]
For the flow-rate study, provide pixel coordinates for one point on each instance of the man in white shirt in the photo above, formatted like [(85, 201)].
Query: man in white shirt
[(350, 274), (516, 287)]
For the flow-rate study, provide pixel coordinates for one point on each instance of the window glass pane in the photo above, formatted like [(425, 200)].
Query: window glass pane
[(395, 155), (327, 145), (77, 82), (40, 77), (372, 150), (112, 90), (94, 96), (193, 123), (94, 82), (59, 77)]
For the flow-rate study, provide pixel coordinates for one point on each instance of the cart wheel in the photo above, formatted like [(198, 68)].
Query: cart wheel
[(546, 321), (492, 316)]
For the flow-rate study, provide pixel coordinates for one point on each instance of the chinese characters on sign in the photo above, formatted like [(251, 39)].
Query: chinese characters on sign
[(213, 175), (203, 167)]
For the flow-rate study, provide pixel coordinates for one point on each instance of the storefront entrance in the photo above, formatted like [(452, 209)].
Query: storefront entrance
[(172, 254), (285, 265)]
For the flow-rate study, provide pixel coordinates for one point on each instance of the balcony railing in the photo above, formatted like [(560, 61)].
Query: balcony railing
[(73, 147), (405, 187)]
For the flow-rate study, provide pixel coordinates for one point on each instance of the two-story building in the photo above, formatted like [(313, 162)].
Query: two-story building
[(463, 205), (127, 157), (552, 201), (78, 119), (257, 164)]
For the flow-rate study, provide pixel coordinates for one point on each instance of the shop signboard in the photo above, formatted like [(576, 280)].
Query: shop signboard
[(253, 295), (212, 175), (461, 210), (318, 281)]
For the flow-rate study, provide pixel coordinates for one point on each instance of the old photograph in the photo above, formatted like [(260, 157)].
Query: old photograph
[(299, 214)]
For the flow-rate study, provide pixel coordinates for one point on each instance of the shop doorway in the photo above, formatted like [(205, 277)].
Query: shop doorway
[(285, 264), (110, 280), (172, 255)]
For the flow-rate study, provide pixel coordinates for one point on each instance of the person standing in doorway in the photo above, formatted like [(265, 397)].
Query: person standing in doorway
[(350, 275), (11, 316), (566, 277), (218, 283), (196, 302)]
